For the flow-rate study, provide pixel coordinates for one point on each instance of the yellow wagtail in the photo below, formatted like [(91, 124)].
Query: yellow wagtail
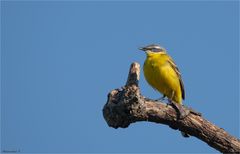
[(164, 76)]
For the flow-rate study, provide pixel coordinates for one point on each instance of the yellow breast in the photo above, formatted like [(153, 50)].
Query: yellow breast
[(162, 77)]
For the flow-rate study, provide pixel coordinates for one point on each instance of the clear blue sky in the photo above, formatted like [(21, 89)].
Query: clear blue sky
[(60, 59)]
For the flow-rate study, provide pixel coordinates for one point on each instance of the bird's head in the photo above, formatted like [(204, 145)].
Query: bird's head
[(153, 49)]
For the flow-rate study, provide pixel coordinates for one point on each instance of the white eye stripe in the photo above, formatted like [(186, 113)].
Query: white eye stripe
[(154, 48), (157, 47)]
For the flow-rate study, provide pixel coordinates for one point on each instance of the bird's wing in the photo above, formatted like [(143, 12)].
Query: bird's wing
[(175, 68)]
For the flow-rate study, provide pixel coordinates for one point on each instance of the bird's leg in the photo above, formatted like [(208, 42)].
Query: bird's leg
[(161, 98), (182, 113)]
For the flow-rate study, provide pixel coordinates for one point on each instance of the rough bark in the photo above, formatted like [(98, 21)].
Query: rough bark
[(126, 105)]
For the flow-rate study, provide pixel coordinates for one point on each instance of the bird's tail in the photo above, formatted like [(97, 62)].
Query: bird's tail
[(185, 134)]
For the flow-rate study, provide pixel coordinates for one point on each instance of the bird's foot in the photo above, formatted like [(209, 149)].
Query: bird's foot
[(181, 111), (193, 111), (183, 114)]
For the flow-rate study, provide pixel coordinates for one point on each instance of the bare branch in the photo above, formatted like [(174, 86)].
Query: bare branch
[(126, 105)]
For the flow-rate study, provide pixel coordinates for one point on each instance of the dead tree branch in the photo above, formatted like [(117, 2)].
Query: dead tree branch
[(126, 105)]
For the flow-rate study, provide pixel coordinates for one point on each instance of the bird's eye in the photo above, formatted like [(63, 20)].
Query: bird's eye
[(156, 50)]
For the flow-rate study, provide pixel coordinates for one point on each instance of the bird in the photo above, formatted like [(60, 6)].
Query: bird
[(161, 73)]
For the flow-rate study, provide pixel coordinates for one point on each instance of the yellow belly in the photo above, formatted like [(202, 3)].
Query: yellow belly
[(162, 77)]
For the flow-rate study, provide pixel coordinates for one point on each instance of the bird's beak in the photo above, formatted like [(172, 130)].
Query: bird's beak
[(142, 48)]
